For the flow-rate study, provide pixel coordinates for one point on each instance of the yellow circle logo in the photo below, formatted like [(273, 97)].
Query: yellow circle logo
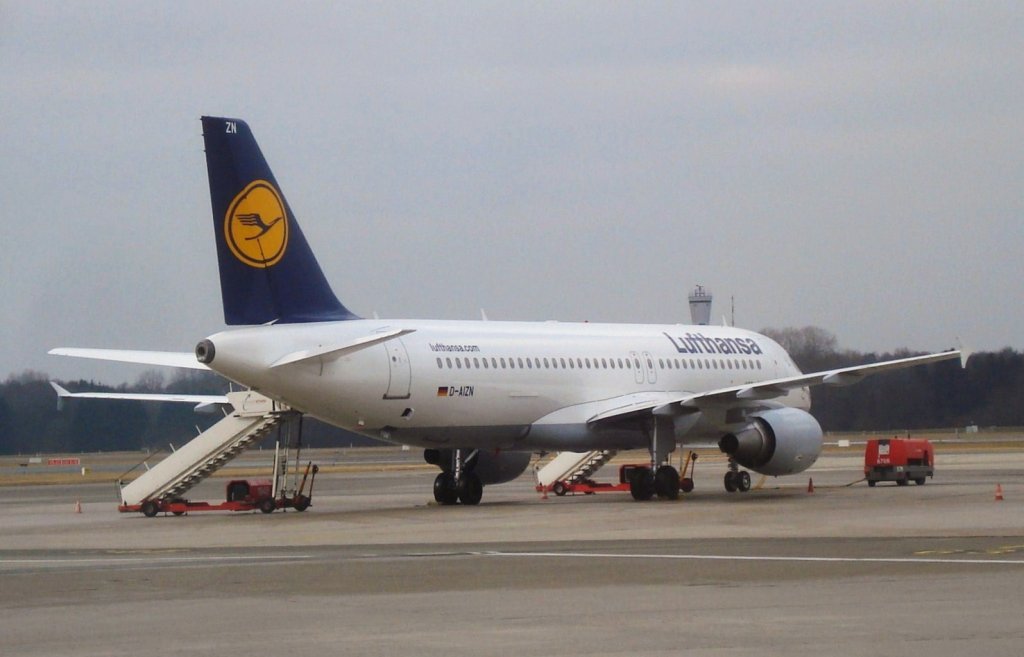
[(256, 225)]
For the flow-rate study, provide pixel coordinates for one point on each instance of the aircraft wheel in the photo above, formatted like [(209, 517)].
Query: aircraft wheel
[(267, 505), (641, 485), (445, 492), (559, 489), (742, 480), (730, 481), (686, 485), (666, 482), (150, 508), (471, 490)]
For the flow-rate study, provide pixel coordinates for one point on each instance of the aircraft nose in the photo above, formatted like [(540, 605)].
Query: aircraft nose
[(205, 352)]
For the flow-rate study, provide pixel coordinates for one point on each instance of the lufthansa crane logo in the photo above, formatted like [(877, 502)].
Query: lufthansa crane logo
[(256, 225)]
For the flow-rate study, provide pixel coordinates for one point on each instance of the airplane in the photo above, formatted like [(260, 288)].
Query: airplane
[(481, 397)]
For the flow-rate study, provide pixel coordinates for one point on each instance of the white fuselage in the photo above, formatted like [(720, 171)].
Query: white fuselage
[(507, 385)]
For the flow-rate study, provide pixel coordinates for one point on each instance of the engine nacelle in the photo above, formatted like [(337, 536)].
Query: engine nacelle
[(492, 467), (777, 442)]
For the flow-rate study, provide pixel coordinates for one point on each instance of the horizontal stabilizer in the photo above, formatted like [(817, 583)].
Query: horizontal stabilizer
[(185, 359), (337, 351), (140, 396)]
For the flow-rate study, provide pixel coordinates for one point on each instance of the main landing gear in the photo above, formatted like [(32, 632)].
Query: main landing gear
[(666, 482), (736, 480), (661, 479), (457, 481), (663, 482)]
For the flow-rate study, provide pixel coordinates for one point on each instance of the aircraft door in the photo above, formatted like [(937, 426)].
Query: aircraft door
[(401, 371)]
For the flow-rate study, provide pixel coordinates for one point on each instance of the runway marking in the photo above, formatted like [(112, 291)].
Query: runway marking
[(727, 557), (1004, 549), (150, 560)]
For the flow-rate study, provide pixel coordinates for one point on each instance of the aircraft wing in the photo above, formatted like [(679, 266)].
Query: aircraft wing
[(768, 389), (163, 358)]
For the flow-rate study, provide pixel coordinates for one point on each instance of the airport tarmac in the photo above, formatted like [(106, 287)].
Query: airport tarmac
[(375, 568)]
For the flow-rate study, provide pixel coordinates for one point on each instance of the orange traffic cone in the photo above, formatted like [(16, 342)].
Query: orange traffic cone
[(999, 493), (78, 506), (544, 494), (810, 485)]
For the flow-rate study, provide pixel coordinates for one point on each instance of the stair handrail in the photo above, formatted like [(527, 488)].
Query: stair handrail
[(119, 482), (268, 421)]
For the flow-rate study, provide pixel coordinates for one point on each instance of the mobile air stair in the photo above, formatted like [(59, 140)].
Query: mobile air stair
[(253, 416), (569, 469)]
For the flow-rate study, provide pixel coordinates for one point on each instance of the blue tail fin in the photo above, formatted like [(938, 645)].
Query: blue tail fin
[(267, 271)]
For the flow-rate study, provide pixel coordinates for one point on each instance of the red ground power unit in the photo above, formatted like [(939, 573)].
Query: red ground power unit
[(898, 459)]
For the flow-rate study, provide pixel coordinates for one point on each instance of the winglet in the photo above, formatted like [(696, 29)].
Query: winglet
[(965, 353), (61, 394)]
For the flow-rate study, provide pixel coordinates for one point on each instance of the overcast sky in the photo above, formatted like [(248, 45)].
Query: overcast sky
[(855, 166)]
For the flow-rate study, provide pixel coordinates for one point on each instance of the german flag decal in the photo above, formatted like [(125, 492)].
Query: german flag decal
[(442, 391)]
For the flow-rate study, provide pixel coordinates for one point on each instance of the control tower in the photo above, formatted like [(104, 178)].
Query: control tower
[(700, 306)]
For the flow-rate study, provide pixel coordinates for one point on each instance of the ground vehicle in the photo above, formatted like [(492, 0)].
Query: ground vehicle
[(240, 495), (898, 459), (627, 472), (589, 486)]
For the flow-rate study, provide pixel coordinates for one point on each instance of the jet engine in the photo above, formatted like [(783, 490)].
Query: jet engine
[(781, 441), (491, 466)]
